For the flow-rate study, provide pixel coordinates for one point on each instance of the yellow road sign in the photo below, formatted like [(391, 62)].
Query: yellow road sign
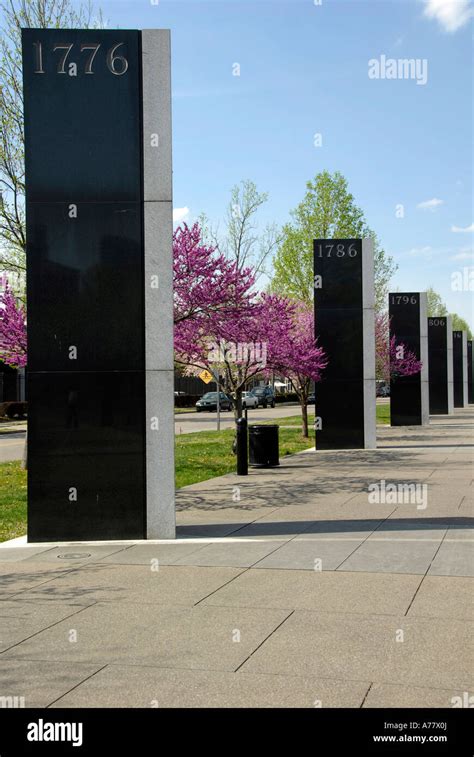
[(206, 376)]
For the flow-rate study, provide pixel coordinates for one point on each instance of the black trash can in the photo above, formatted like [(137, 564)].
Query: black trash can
[(263, 446)]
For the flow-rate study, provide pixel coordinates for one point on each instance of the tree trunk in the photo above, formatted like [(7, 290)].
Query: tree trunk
[(304, 416)]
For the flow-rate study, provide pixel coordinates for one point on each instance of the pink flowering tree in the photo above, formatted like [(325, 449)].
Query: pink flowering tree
[(12, 329), (238, 348), (299, 358), (392, 358), (206, 284)]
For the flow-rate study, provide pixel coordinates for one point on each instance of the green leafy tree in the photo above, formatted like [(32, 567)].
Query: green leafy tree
[(459, 324), (39, 14), (327, 211), (436, 305)]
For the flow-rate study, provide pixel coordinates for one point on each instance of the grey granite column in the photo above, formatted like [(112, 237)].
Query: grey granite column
[(158, 273), (368, 324), (424, 374), (449, 339), (464, 369)]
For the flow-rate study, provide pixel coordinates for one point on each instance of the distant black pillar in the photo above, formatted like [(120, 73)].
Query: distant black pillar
[(344, 324), (440, 361), (460, 368), (470, 368), (409, 397)]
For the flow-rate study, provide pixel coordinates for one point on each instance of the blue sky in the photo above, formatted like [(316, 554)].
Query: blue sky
[(304, 70)]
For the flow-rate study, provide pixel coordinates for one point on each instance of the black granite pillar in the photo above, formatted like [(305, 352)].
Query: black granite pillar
[(344, 325), (409, 398), (460, 379), (440, 359), (84, 154), (470, 369)]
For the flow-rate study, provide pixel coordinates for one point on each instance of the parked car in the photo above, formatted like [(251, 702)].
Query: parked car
[(209, 402), (249, 400), (311, 398), (264, 395), (383, 390)]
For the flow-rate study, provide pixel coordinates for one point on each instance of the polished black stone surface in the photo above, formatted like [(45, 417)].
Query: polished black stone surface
[(438, 365), (84, 222), (470, 369), (339, 329), (405, 403), (458, 369), (341, 273), (340, 406), (86, 431), (405, 391), (81, 131), (340, 333), (85, 287)]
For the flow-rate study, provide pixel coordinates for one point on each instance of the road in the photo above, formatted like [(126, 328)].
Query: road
[(187, 423), (11, 445)]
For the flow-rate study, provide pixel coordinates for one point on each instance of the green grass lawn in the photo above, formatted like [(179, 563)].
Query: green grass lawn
[(207, 454), (12, 500), (382, 415), (199, 457)]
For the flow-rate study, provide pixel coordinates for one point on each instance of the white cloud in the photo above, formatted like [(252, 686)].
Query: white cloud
[(421, 251), (430, 204), (463, 256), (179, 214), (461, 230), (450, 14)]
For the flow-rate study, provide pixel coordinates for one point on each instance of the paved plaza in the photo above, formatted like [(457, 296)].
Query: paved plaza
[(286, 588)]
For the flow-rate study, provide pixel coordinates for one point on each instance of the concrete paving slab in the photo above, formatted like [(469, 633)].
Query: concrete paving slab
[(148, 554), (385, 556), (20, 619), (421, 531), (41, 683), (344, 528), (356, 648), (20, 576), (390, 695), (137, 584), (205, 637), (206, 529), (316, 590), (13, 554), (459, 534), (77, 554), (278, 528), (454, 559), (304, 553), (240, 553), (444, 597), (129, 686)]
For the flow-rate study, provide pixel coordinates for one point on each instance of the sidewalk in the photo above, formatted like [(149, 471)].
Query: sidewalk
[(286, 588)]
